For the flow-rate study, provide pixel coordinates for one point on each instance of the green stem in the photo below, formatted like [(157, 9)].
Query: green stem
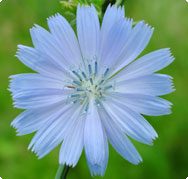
[(62, 172), (119, 2)]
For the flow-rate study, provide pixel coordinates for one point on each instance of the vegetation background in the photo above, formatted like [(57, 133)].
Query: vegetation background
[(167, 159)]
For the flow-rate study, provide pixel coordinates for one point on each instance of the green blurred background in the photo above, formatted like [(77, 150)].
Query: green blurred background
[(167, 159)]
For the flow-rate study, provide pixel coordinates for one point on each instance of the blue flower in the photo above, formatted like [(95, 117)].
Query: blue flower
[(90, 90)]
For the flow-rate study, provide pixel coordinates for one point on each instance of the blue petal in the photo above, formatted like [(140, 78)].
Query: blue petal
[(66, 38), (88, 31), (100, 169), (46, 43), (54, 131), (119, 140), (147, 64), (130, 122), (114, 28), (32, 120), (33, 81), (113, 14), (136, 43), (114, 41), (34, 98), (40, 62), (72, 146), (95, 142), (35, 90), (144, 104), (153, 84)]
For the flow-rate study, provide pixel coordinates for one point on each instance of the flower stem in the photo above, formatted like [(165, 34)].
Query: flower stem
[(62, 172), (119, 2)]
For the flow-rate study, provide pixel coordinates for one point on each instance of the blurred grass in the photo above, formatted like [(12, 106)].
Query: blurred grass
[(167, 159)]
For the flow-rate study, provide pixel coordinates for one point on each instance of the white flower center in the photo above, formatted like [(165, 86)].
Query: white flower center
[(89, 84)]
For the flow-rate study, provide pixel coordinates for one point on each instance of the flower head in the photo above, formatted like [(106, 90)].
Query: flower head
[(90, 90)]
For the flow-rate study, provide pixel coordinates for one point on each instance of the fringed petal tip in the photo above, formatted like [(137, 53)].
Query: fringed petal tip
[(96, 170)]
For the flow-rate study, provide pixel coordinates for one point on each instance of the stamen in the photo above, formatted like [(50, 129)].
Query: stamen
[(75, 95), (76, 74), (84, 96), (77, 83), (71, 87), (84, 75), (77, 101), (79, 89), (96, 69), (86, 85), (106, 72), (107, 87), (99, 89), (101, 82), (90, 70), (91, 81), (87, 106)]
